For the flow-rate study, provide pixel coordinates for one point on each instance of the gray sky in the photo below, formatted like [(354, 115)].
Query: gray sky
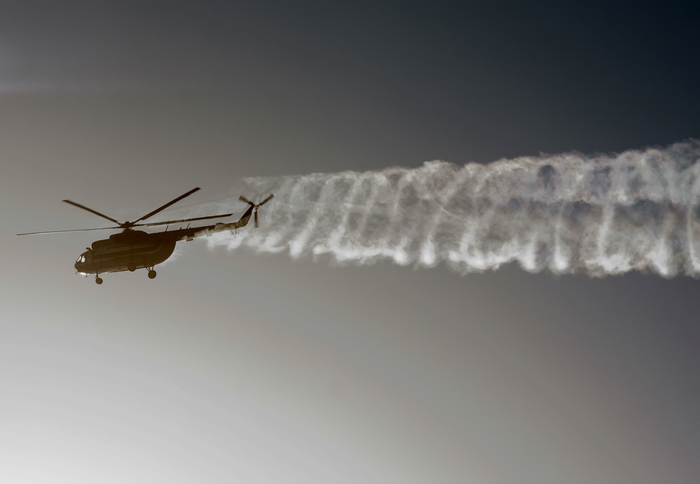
[(239, 367)]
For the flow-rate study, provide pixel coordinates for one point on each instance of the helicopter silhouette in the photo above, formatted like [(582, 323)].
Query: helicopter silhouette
[(131, 249)]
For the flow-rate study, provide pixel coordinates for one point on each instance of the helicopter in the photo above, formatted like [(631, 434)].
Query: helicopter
[(131, 249)]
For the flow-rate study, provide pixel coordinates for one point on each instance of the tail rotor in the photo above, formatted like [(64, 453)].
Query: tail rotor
[(256, 206)]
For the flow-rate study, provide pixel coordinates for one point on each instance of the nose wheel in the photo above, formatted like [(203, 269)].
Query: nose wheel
[(98, 280), (152, 274)]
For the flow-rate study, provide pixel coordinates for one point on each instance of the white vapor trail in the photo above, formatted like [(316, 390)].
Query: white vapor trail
[(570, 213)]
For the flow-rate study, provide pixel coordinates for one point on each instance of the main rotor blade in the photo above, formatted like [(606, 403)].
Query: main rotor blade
[(266, 200), (92, 211), (64, 231), (175, 200), (182, 220)]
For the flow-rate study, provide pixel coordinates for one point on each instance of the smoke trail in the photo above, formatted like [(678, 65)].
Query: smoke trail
[(599, 215)]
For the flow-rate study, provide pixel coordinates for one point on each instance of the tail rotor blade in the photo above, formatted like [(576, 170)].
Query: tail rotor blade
[(244, 199), (256, 218), (266, 200)]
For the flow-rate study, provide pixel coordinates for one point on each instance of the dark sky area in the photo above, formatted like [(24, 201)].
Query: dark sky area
[(240, 367)]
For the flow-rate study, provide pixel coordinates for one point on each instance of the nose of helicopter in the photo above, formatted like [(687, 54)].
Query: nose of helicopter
[(80, 263)]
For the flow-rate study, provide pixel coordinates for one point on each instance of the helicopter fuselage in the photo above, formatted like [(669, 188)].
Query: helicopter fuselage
[(127, 251)]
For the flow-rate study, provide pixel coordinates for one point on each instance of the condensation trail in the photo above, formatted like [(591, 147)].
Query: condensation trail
[(569, 213)]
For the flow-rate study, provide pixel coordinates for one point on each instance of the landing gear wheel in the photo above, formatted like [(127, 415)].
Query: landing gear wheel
[(152, 274), (98, 279), (131, 267)]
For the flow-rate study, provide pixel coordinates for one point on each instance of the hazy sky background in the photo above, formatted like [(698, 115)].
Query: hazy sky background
[(236, 367)]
